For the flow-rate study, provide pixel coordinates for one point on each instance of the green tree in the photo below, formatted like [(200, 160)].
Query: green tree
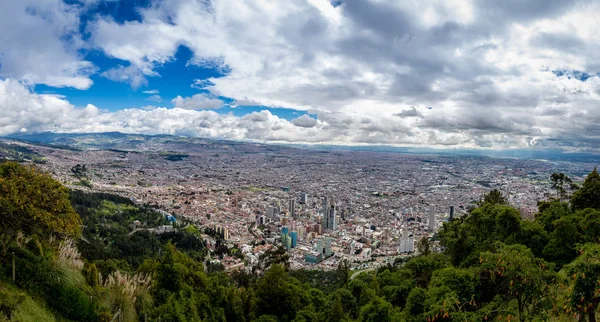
[(519, 276), (494, 197), (424, 246), (588, 196), (378, 310), (415, 304), (280, 295), (423, 267), (91, 275), (561, 182), (563, 240), (343, 271), (336, 314), (583, 275), (35, 204)]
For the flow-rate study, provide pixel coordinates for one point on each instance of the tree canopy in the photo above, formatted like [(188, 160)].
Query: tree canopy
[(34, 203)]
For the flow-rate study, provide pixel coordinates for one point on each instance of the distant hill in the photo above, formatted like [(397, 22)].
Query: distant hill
[(163, 142), (141, 142), (12, 151)]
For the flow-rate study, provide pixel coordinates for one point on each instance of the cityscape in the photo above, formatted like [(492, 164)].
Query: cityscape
[(322, 207)]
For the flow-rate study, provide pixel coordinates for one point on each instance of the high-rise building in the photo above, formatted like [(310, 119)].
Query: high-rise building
[(407, 245), (304, 198), (321, 246), (328, 250), (284, 234), (332, 218), (319, 229), (294, 237), (271, 212), (292, 208), (451, 213), (325, 222), (431, 218)]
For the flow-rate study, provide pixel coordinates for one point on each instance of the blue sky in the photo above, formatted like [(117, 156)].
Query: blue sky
[(175, 78), (442, 74)]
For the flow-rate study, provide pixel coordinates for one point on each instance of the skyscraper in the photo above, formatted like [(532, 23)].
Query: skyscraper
[(332, 218), (294, 237), (325, 222), (292, 208), (284, 234), (271, 212), (304, 198), (328, 250), (431, 218), (321, 246), (451, 213)]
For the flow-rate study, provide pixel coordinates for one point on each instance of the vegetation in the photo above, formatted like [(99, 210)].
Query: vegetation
[(94, 257)]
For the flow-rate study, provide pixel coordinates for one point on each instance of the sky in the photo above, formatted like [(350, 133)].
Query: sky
[(479, 74)]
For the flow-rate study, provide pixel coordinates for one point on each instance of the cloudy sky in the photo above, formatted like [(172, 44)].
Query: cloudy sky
[(491, 74)]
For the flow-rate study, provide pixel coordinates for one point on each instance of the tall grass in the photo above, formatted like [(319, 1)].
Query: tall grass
[(68, 255)]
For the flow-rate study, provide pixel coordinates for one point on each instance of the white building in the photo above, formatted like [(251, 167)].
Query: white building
[(407, 245)]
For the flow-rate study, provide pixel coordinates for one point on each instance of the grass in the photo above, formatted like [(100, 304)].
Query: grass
[(31, 311), (23, 308), (192, 229)]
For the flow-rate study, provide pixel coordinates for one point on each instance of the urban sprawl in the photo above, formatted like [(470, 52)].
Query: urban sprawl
[(369, 208)]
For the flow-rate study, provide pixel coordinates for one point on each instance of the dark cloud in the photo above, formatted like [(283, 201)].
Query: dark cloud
[(304, 121), (523, 10), (558, 41), (412, 112), (380, 18)]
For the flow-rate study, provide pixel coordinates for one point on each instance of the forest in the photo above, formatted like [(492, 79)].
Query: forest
[(68, 255)]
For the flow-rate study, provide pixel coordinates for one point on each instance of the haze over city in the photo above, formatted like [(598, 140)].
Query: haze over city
[(440, 74)]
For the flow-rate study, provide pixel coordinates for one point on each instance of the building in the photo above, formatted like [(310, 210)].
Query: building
[(222, 231), (407, 245), (321, 246), (294, 238), (451, 213), (328, 252), (313, 257), (329, 220), (288, 242), (325, 221), (333, 223), (284, 233), (292, 208), (271, 212), (304, 198)]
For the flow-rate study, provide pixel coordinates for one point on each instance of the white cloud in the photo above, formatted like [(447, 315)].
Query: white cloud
[(23, 109), (485, 67), (197, 102), (153, 91), (155, 98), (39, 43), (133, 75)]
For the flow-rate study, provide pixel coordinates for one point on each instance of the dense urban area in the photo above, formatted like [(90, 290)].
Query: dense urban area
[(115, 227), (369, 208)]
